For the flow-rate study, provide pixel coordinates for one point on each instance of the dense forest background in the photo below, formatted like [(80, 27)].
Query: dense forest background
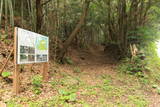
[(119, 24)]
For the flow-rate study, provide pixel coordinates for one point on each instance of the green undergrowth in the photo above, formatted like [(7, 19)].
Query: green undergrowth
[(72, 91), (36, 84), (6, 74), (144, 67)]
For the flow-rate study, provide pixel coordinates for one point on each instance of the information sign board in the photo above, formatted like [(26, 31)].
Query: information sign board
[(31, 47)]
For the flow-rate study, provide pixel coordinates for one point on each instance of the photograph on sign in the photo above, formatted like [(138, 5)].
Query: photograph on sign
[(32, 47)]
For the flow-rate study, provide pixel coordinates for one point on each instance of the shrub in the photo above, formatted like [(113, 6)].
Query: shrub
[(135, 65)]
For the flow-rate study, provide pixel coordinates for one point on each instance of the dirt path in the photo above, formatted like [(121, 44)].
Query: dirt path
[(96, 63)]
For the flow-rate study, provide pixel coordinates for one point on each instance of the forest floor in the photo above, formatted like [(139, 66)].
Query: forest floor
[(92, 80)]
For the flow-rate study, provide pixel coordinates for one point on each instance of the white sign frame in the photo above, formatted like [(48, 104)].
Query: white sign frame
[(30, 48)]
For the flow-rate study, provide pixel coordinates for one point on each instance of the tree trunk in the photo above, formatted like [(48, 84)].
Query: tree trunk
[(39, 15), (122, 27), (75, 31)]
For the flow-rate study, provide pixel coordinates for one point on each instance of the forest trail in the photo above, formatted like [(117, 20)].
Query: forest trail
[(96, 63), (94, 55)]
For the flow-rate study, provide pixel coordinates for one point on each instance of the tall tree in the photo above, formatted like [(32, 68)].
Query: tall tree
[(39, 15), (76, 30)]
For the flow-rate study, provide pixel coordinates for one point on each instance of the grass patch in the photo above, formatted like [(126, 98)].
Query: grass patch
[(138, 101)]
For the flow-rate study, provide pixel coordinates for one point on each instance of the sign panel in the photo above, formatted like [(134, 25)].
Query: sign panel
[(31, 47)]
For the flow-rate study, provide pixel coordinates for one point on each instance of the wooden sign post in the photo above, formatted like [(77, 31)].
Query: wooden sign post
[(29, 48), (16, 81), (45, 71)]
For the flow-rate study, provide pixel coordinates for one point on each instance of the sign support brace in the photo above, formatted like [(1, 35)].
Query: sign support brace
[(16, 75)]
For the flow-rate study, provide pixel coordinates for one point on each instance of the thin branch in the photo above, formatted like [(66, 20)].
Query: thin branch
[(6, 61)]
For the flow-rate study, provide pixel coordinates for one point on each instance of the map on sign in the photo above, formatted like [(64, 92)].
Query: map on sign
[(41, 43), (32, 47)]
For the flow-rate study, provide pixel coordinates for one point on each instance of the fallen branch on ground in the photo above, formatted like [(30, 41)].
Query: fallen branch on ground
[(6, 61)]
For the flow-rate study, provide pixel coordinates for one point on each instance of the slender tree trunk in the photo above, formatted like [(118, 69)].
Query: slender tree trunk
[(39, 15), (109, 20), (76, 30), (122, 27), (64, 20)]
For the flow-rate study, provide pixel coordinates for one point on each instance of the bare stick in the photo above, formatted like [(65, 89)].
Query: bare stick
[(6, 61)]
